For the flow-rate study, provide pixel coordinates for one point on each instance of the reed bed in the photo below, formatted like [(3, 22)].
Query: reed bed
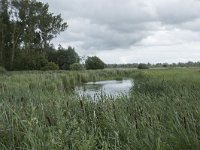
[(39, 111)]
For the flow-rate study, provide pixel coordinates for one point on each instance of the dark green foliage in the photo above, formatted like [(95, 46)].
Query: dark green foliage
[(50, 66), (76, 66), (52, 55), (2, 70), (32, 29), (165, 65), (143, 66), (34, 61), (67, 57), (63, 57), (94, 63)]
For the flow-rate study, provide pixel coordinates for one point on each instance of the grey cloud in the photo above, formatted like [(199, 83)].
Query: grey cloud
[(98, 37), (177, 11), (99, 25), (191, 25)]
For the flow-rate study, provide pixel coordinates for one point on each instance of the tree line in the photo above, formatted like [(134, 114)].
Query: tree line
[(157, 65), (26, 31)]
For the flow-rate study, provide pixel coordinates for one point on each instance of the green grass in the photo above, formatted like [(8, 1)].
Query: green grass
[(39, 111)]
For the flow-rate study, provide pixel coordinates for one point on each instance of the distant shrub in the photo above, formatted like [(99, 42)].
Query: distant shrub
[(76, 66), (2, 70), (50, 66), (94, 63), (165, 65), (143, 66)]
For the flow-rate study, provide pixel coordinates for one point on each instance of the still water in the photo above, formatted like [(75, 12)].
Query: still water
[(112, 88)]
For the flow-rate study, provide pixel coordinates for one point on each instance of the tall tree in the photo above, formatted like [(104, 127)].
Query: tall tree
[(2, 41), (5, 35), (29, 27), (40, 26)]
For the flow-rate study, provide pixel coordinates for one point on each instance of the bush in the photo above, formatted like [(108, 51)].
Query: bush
[(50, 66), (2, 70), (143, 66), (34, 61), (76, 66), (94, 63), (64, 57), (165, 65)]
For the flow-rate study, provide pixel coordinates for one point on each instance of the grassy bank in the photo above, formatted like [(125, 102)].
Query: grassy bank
[(38, 111)]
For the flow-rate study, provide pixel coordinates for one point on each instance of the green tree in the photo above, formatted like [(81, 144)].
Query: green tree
[(26, 25), (52, 54), (66, 57), (2, 28), (143, 66), (29, 61), (5, 35), (94, 63)]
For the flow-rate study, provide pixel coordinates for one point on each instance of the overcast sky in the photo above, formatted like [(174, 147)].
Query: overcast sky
[(131, 31)]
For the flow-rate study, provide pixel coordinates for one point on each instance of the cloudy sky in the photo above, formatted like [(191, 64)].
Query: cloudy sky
[(131, 31)]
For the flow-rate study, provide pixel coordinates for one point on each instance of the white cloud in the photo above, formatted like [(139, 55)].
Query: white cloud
[(123, 31)]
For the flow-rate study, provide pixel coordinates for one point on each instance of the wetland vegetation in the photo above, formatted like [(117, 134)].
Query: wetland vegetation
[(38, 111)]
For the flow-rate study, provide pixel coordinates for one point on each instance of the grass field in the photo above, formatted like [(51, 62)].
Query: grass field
[(39, 111)]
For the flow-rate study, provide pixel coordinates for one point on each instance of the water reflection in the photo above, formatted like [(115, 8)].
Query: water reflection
[(111, 88)]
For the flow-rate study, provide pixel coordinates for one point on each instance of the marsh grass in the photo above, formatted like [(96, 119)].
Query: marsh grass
[(38, 111)]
